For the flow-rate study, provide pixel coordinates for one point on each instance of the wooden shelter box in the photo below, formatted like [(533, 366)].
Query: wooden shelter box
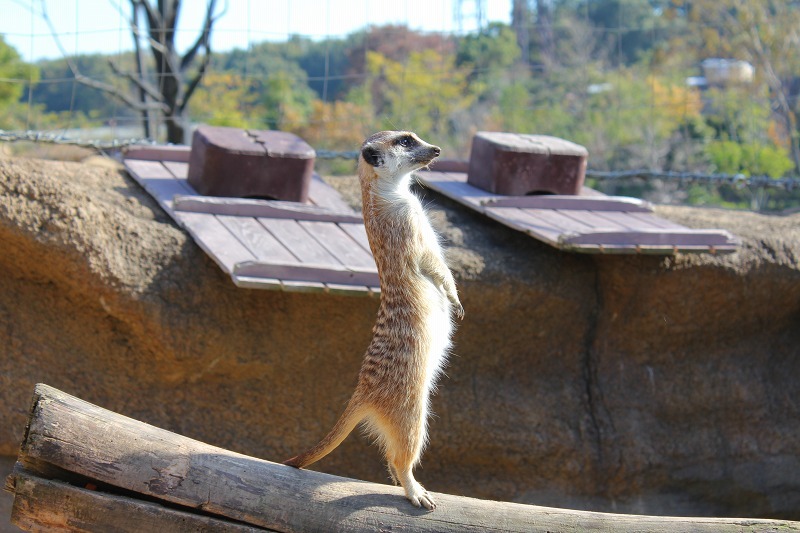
[(518, 164), (232, 162)]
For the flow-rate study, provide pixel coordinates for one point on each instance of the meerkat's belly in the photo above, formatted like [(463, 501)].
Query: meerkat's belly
[(439, 327)]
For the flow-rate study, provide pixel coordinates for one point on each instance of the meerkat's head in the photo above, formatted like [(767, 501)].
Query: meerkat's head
[(396, 153)]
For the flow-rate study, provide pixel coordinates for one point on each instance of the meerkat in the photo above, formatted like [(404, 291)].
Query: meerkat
[(411, 336)]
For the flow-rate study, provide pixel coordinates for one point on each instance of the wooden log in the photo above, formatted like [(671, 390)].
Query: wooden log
[(68, 434), (49, 505)]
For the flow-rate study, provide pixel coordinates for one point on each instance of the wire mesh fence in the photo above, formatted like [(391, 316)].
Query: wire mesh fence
[(685, 94)]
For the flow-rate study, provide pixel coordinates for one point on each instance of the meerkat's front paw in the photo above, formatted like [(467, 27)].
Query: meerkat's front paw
[(457, 307), (420, 497)]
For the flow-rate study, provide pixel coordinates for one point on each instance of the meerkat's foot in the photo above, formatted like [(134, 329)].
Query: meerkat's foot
[(415, 492), (420, 497)]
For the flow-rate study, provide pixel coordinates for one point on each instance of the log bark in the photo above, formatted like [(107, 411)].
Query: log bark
[(49, 505), (71, 439)]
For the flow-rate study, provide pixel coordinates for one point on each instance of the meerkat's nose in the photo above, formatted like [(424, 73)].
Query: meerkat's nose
[(437, 151)]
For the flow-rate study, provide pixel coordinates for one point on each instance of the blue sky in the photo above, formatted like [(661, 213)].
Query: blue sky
[(89, 26)]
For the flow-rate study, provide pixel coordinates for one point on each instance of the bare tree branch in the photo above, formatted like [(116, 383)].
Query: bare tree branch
[(204, 38), (141, 83), (134, 25), (89, 82), (169, 15), (116, 93), (173, 91), (146, 118), (193, 84)]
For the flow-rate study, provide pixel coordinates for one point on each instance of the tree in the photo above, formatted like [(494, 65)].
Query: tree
[(423, 94), (287, 100), (15, 74), (60, 92), (767, 33), (489, 52), (224, 99), (392, 42), (165, 84)]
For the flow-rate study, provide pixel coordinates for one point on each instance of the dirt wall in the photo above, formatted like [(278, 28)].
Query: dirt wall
[(626, 383)]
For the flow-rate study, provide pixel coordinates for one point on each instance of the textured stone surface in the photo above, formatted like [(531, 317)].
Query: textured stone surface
[(635, 384)]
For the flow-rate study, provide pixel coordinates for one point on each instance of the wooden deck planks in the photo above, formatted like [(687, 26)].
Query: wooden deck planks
[(336, 241), (359, 234), (522, 221), (158, 153), (578, 203), (255, 237), (596, 221), (319, 247), (658, 222), (246, 207), (298, 241), (323, 195), (590, 223), (558, 220), (158, 181), (646, 238), (215, 239)]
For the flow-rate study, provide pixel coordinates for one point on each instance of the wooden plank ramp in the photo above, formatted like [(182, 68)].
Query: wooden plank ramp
[(589, 223), (84, 468), (265, 244)]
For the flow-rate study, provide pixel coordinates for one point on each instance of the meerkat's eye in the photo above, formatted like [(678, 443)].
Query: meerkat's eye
[(406, 141)]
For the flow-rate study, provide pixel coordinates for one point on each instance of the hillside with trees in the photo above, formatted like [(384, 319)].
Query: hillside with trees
[(656, 84)]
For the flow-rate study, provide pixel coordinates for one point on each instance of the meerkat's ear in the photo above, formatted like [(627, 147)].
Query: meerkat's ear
[(372, 156)]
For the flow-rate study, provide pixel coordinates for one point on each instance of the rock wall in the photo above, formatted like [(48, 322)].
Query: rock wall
[(613, 383)]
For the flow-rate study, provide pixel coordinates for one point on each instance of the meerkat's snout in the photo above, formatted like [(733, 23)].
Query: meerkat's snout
[(428, 154)]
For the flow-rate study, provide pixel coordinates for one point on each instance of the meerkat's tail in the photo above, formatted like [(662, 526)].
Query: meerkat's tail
[(347, 422)]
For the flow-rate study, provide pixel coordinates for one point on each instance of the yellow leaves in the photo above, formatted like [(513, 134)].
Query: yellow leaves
[(421, 94), (335, 125), (223, 99), (675, 100)]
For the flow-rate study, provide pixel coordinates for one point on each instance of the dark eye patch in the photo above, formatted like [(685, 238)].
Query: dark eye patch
[(406, 141)]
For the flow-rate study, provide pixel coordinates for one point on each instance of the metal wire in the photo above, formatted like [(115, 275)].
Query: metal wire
[(684, 178), (54, 138)]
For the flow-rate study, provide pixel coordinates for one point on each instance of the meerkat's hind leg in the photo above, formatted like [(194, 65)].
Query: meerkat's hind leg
[(393, 474), (402, 449)]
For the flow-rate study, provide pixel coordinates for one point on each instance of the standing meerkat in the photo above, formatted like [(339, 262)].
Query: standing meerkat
[(411, 336)]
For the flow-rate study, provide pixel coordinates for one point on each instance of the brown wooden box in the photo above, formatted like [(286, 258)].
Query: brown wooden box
[(250, 164), (518, 164)]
